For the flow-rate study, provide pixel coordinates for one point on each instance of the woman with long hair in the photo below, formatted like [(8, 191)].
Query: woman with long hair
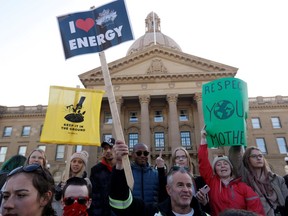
[(37, 156), (78, 162), (255, 171)]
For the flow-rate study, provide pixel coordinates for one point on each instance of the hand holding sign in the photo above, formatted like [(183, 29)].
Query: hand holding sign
[(159, 160), (225, 109)]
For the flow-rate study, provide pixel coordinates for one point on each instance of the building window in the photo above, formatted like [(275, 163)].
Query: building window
[(159, 140), (256, 124), (276, 122), (60, 150), (260, 142), (282, 145), (7, 132), (158, 116), (26, 131), (3, 151), (42, 147), (132, 139), (185, 139), (133, 117), (107, 118), (22, 150), (78, 148), (183, 115)]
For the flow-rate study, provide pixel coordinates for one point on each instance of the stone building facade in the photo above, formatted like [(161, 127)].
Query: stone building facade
[(158, 94)]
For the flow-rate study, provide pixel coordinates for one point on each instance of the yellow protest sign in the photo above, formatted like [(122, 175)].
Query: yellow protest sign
[(73, 116)]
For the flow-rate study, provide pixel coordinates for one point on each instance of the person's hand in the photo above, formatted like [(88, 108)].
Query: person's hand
[(160, 161), (202, 197), (62, 185), (120, 149), (203, 136)]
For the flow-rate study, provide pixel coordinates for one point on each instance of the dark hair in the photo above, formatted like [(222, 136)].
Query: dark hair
[(43, 181), (13, 162), (77, 181)]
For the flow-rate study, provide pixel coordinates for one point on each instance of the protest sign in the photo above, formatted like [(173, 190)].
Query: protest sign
[(95, 30), (225, 109), (72, 116)]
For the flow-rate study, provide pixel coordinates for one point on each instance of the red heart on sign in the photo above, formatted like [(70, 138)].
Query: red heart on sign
[(85, 25)]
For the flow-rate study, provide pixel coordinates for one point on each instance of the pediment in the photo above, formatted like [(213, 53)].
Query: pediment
[(159, 63)]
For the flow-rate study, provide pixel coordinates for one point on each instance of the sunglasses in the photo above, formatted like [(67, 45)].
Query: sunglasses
[(28, 169), (176, 168), (70, 200), (139, 153)]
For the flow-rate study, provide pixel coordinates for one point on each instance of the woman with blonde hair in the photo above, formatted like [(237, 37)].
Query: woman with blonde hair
[(78, 165), (181, 157), (255, 171), (37, 156)]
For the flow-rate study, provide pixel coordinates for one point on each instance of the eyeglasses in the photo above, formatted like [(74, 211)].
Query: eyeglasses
[(27, 169), (255, 156), (181, 157), (139, 153), (70, 200)]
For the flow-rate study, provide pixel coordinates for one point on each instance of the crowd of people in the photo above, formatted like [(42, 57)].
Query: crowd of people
[(240, 183)]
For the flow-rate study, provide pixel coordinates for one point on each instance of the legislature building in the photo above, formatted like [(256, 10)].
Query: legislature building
[(158, 94)]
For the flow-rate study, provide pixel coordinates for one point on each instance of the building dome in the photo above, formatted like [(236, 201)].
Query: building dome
[(153, 36)]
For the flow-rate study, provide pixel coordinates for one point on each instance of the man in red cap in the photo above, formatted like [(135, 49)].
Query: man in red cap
[(100, 178)]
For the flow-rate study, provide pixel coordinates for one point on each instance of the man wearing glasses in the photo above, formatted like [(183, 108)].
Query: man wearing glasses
[(76, 197), (146, 183)]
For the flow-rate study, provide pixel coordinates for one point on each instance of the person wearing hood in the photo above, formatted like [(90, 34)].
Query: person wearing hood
[(226, 191), (100, 176)]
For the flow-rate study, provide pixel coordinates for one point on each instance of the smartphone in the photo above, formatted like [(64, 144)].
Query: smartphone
[(205, 189)]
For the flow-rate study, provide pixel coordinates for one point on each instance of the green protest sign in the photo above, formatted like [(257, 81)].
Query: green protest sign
[(225, 109)]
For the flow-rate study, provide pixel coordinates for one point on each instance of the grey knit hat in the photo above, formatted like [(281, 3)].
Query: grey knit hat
[(83, 155), (221, 157)]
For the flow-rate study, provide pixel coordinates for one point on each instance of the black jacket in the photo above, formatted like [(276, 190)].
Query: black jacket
[(100, 179), (120, 191)]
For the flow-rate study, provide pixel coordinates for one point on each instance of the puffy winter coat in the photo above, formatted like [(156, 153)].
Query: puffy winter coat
[(235, 195), (146, 183)]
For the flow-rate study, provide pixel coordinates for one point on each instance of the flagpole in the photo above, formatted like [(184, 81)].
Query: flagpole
[(115, 116)]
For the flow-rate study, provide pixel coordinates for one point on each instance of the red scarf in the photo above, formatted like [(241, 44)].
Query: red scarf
[(75, 210), (109, 167)]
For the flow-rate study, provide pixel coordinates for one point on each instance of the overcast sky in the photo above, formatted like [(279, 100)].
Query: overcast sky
[(250, 35)]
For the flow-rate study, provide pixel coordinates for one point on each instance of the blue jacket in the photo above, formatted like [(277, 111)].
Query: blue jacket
[(146, 183)]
